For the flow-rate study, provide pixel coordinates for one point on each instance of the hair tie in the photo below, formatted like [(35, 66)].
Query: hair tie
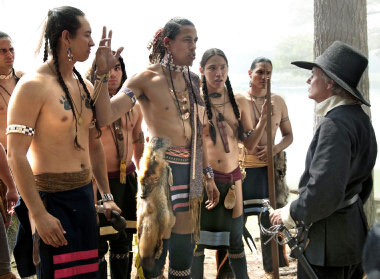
[(158, 33)]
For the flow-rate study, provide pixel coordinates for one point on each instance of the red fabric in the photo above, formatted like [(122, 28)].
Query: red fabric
[(232, 176), (76, 270), (75, 256)]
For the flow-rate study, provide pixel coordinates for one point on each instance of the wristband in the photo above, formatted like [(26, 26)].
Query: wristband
[(103, 78), (248, 133), (207, 171), (107, 197), (130, 94)]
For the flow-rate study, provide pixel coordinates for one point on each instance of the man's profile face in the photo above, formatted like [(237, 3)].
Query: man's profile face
[(82, 42), (183, 46), (259, 75), (114, 81), (318, 89), (7, 55)]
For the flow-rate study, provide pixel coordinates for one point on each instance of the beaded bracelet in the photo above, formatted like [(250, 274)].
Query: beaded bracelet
[(103, 78), (207, 171)]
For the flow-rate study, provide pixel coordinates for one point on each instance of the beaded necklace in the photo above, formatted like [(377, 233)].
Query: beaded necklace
[(182, 102), (8, 76)]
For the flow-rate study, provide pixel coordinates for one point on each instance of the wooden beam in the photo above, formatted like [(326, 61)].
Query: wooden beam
[(271, 181)]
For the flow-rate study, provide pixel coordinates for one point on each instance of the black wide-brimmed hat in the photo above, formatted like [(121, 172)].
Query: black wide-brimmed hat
[(343, 64)]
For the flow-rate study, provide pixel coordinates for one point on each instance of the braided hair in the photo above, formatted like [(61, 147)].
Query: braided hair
[(206, 56), (5, 35), (60, 19), (170, 30)]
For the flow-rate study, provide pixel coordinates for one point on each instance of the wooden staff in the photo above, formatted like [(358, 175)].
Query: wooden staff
[(271, 181)]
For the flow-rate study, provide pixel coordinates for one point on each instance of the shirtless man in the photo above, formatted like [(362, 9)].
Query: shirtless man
[(8, 192), (52, 114), (172, 108), (8, 79), (229, 122), (121, 139), (6, 176), (255, 185)]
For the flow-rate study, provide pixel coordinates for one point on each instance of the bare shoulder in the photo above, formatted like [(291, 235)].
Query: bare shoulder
[(31, 86), (29, 96), (142, 83), (139, 80), (277, 98), (19, 73), (240, 99)]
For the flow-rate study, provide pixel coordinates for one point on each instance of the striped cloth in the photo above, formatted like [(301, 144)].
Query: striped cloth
[(179, 161)]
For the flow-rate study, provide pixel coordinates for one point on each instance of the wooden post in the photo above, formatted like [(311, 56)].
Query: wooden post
[(271, 181)]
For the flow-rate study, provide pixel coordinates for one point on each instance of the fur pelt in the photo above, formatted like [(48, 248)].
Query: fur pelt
[(282, 189), (154, 212)]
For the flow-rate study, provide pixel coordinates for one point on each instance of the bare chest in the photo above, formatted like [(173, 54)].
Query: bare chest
[(6, 90), (64, 111)]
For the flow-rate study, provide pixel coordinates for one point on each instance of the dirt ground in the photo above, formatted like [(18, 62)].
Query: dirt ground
[(254, 262)]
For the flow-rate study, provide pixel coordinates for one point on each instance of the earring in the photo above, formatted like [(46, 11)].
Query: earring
[(170, 57), (250, 83), (70, 55)]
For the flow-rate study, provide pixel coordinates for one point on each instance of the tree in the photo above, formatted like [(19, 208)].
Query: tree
[(345, 21)]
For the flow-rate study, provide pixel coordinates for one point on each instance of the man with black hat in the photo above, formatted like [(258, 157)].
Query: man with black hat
[(337, 179)]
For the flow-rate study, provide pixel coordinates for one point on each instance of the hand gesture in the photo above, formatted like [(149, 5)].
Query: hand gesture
[(212, 194), (105, 59), (50, 230)]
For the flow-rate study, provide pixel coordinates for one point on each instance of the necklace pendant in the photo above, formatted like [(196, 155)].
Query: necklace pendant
[(80, 120)]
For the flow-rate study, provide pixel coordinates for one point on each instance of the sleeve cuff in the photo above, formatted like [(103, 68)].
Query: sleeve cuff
[(287, 220)]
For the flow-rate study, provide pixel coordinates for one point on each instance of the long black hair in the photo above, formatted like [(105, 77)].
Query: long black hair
[(60, 19), (170, 30), (206, 56)]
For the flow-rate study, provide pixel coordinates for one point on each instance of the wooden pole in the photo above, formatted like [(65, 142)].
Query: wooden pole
[(271, 181)]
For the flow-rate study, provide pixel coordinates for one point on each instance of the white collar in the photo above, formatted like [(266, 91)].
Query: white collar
[(322, 108)]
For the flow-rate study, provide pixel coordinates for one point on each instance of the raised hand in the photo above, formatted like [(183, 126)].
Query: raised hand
[(105, 58)]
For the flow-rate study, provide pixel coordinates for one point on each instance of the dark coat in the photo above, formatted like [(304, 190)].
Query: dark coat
[(339, 163)]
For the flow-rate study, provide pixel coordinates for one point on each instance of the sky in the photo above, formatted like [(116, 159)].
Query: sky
[(242, 29)]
